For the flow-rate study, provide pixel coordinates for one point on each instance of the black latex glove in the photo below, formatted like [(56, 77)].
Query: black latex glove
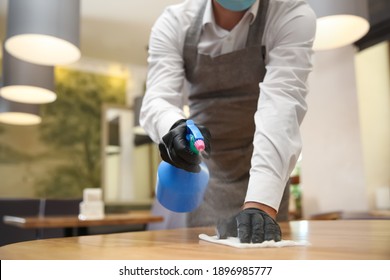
[(250, 225), (175, 148)]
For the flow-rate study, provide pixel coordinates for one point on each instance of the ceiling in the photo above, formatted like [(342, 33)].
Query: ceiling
[(118, 30), (114, 30)]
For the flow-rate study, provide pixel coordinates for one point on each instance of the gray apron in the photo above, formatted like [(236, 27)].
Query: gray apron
[(224, 91)]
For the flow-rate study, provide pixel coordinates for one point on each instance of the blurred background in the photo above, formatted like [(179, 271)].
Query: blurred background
[(88, 137)]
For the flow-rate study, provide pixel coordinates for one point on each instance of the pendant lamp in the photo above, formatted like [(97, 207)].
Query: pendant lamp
[(27, 82), (339, 22), (44, 32), (15, 113)]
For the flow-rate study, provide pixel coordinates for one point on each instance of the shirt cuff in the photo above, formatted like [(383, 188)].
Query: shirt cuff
[(265, 189), (165, 123)]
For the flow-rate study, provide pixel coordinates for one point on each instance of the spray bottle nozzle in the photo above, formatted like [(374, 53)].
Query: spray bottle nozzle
[(195, 137), (199, 145)]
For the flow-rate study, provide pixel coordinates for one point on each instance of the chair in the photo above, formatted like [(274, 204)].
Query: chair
[(17, 207), (58, 207)]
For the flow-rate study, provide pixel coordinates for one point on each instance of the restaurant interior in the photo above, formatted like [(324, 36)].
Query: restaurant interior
[(83, 142)]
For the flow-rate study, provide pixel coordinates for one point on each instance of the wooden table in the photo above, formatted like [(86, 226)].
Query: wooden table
[(342, 215), (71, 222), (352, 240)]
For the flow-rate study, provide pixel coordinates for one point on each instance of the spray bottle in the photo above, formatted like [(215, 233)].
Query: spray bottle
[(179, 190)]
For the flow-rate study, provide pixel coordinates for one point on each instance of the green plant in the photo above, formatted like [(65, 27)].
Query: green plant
[(71, 127)]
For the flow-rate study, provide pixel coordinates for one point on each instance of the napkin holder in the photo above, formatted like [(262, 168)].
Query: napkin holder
[(92, 206)]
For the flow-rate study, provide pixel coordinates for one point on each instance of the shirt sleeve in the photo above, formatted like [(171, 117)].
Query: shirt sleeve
[(163, 102), (281, 106)]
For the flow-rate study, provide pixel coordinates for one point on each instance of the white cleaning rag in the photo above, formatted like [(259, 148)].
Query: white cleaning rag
[(235, 242)]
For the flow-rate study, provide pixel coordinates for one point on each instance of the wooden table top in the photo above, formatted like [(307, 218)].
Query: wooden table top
[(351, 239), (134, 217), (336, 215)]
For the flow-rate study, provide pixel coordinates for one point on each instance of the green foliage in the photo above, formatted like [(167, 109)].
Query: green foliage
[(72, 125), (8, 155)]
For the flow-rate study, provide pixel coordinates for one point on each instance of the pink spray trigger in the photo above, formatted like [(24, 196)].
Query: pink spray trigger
[(199, 145)]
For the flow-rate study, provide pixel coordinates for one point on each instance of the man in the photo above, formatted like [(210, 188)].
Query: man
[(245, 64)]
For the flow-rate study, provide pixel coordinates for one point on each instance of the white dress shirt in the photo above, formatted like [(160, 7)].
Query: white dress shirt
[(288, 38)]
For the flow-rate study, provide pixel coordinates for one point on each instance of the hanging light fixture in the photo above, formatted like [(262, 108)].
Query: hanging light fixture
[(27, 82), (44, 32), (15, 113), (339, 22)]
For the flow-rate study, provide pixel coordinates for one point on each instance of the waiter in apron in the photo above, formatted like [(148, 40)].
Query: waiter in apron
[(242, 66)]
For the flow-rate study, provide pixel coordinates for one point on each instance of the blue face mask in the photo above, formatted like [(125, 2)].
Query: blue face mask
[(236, 5)]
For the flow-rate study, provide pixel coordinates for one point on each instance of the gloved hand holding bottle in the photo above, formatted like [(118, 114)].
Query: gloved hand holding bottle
[(182, 178), (175, 147)]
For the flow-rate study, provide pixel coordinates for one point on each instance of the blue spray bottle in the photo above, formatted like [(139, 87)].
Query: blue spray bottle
[(179, 190)]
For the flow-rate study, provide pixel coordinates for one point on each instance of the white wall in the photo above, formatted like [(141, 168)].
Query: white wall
[(373, 80), (332, 160)]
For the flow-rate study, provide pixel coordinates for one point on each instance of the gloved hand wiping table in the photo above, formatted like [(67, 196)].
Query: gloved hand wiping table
[(250, 228)]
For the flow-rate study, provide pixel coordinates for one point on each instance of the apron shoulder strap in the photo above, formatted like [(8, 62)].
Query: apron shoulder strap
[(193, 32), (258, 25)]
